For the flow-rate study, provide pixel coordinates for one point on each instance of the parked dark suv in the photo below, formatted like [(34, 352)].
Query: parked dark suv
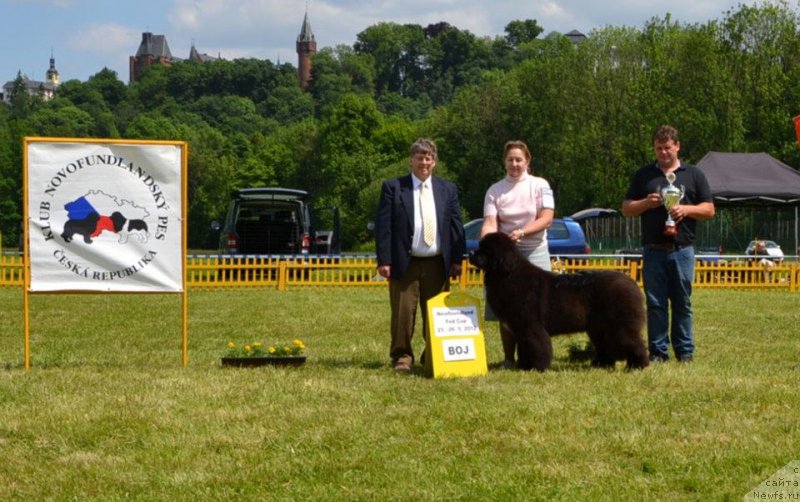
[(275, 221), (564, 237)]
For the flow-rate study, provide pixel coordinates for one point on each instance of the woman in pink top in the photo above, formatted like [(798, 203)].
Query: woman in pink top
[(522, 206)]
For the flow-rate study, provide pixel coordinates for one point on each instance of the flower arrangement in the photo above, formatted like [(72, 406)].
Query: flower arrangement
[(256, 349)]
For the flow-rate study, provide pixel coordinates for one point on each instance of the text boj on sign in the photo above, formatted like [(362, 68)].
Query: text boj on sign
[(455, 344)]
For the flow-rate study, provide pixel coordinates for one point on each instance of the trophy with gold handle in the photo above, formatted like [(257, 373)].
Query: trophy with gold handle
[(671, 196)]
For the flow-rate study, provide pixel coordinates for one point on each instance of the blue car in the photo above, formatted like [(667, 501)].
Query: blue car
[(564, 237)]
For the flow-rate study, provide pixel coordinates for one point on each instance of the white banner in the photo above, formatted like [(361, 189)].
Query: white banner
[(105, 216)]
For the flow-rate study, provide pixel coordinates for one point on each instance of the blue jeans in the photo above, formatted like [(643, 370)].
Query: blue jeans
[(667, 277)]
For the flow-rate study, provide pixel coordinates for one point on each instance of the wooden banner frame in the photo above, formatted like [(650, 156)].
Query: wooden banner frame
[(184, 157)]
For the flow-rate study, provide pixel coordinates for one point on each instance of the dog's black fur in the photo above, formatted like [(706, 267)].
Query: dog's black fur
[(118, 221), (84, 227), (537, 304), (137, 225)]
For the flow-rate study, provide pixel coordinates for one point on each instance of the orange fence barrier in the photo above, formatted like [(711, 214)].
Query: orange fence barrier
[(282, 273)]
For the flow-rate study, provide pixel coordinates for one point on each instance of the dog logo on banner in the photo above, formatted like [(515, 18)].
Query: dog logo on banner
[(105, 218), (87, 221)]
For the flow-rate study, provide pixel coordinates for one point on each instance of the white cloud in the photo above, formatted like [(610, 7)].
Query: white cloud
[(105, 38), (233, 17)]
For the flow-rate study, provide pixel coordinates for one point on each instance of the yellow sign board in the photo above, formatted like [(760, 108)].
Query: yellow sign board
[(455, 345)]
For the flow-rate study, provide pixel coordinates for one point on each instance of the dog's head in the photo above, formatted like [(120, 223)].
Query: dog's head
[(496, 253), (118, 220)]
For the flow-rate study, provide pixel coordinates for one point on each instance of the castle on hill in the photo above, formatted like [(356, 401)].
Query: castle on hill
[(154, 49)]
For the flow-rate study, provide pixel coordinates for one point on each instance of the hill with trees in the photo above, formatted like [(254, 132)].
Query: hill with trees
[(586, 109)]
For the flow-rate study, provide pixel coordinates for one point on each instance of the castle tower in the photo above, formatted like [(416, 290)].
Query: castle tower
[(52, 74), (152, 50), (306, 46)]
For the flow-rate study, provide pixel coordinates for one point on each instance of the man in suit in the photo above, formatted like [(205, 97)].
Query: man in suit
[(419, 241)]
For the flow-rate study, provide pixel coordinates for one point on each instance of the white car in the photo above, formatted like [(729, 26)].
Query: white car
[(774, 251)]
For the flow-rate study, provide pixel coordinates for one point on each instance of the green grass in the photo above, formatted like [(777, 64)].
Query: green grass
[(107, 412)]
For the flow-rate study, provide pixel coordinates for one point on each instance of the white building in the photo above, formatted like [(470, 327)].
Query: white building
[(45, 90)]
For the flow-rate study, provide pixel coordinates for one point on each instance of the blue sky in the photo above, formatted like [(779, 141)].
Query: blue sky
[(88, 35)]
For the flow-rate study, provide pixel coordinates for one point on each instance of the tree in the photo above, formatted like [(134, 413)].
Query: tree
[(287, 103), (520, 32), (471, 132), (328, 84), (230, 114), (10, 181), (60, 118), (22, 103), (763, 46), (89, 98), (106, 82), (454, 58), (151, 91), (398, 53)]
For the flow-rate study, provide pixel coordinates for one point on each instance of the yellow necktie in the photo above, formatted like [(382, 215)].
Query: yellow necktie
[(428, 214)]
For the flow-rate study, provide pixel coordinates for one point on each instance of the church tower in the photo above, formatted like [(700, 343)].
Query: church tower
[(52, 74), (306, 46)]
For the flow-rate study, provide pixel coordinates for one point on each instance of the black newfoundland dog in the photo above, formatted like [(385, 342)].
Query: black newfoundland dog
[(536, 304)]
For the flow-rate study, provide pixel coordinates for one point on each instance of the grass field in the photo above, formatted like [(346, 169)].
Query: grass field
[(107, 412)]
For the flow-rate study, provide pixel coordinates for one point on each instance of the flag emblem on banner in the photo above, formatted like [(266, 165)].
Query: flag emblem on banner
[(96, 212)]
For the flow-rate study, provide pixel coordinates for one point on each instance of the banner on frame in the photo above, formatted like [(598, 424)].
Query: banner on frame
[(797, 129), (105, 216)]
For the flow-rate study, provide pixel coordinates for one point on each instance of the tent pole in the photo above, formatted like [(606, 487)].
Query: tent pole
[(796, 245)]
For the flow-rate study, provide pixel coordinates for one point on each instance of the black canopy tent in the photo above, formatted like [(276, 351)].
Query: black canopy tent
[(752, 179)]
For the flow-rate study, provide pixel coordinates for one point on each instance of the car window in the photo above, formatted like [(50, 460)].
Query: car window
[(472, 230), (558, 230)]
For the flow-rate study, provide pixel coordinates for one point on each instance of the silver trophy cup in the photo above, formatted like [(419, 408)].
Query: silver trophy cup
[(671, 196)]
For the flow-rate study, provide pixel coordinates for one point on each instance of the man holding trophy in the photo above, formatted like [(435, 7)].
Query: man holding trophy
[(670, 197)]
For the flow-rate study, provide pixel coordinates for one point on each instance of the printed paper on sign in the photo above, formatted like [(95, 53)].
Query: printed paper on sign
[(105, 216)]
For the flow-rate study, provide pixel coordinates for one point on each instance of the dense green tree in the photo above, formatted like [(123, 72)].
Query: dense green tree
[(289, 152), (587, 110), (10, 181), (348, 156), (60, 118), (287, 103), (471, 132), (89, 98), (22, 103), (151, 91), (520, 32), (328, 83), (109, 86), (763, 50), (211, 168), (230, 114), (455, 58), (399, 54)]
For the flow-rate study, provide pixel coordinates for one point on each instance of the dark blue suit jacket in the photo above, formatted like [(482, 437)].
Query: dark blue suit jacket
[(394, 224)]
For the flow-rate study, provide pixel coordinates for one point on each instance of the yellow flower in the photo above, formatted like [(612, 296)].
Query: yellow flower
[(299, 343), (247, 349), (256, 344), (231, 345), (272, 350)]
